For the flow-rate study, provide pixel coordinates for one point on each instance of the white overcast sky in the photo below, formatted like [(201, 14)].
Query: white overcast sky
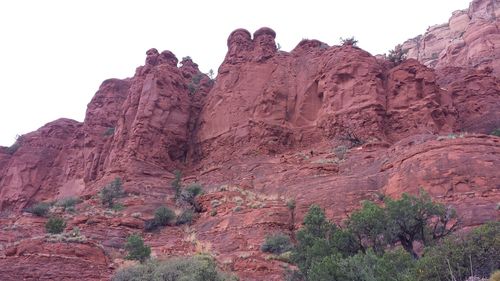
[(54, 54)]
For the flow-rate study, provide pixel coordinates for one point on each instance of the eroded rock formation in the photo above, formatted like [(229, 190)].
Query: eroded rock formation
[(469, 39), (322, 124)]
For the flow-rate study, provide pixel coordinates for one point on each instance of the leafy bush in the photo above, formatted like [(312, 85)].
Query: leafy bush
[(350, 41), (111, 192), (40, 209), (291, 205), (197, 268), (150, 225), (109, 131), (176, 183), (164, 216), (340, 151), (117, 207), (136, 248), (186, 217), (313, 239), (193, 190), (404, 221), (330, 252), (495, 132), (189, 194), (277, 244), (369, 226), (68, 202), (398, 55), (55, 225), (417, 218), (363, 267), (476, 251)]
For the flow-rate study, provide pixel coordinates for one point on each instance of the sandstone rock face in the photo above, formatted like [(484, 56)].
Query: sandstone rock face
[(476, 97), (279, 100), (124, 121), (469, 39), (100, 125), (320, 124), (43, 165), (37, 260)]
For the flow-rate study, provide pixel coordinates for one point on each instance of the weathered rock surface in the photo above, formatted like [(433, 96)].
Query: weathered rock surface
[(470, 39), (42, 164), (326, 125), (39, 260), (315, 93)]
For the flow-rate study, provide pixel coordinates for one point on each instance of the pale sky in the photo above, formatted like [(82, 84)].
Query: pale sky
[(55, 54)]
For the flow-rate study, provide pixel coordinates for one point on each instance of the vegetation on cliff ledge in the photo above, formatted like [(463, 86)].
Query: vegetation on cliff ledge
[(379, 243)]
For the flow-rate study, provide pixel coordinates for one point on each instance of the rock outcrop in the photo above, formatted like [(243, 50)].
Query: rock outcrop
[(321, 124), (134, 128), (272, 101), (470, 39)]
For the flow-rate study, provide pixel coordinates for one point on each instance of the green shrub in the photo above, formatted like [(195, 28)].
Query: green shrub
[(176, 183), (324, 248), (68, 203), (369, 226), (291, 205), (417, 218), (350, 41), (136, 248), (293, 275), (109, 131), (398, 55), (186, 217), (55, 225), (40, 209), (477, 250), (276, 244), (404, 221), (164, 216), (495, 132), (313, 239), (111, 192), (150, 225), (197, 268), (394, 265), (189, 194), (117, 207), (193, 190), (340, 152)]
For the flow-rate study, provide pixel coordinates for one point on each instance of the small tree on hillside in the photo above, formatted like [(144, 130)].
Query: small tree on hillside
[(406, 220), (164, 216), (368, 226), (111, 192), (136, 248), (417, 218), (291, 208), (189, 195), (55, 225), (398, 55), (176, 183), (350, 41)]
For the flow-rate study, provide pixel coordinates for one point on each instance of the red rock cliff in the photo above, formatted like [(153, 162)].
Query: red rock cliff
[(469, 39), (322, 124)]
